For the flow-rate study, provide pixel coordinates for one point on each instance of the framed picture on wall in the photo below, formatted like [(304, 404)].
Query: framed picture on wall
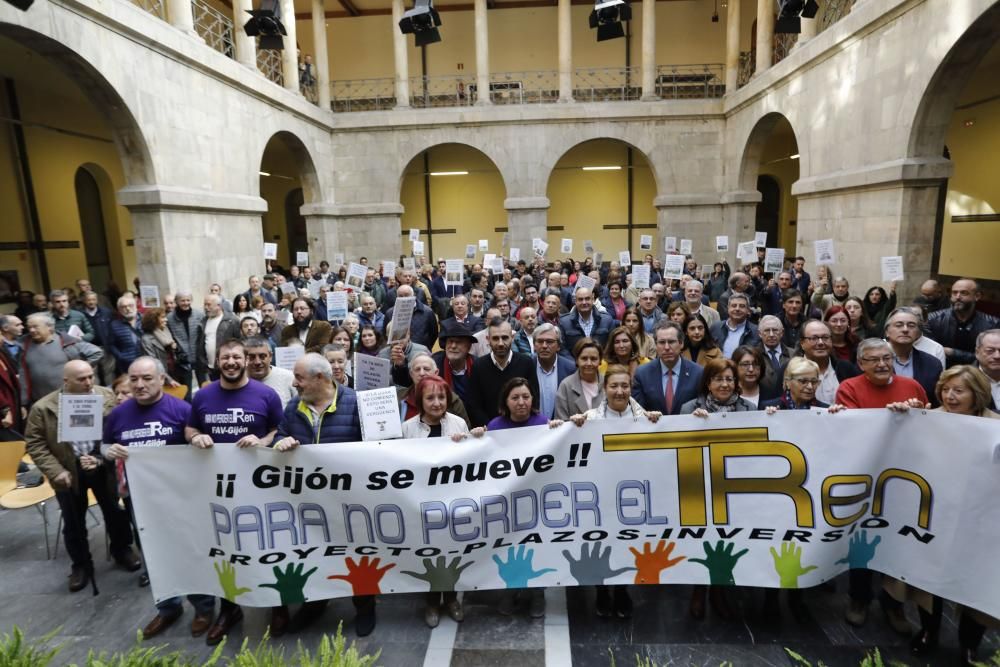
[(10, 285)]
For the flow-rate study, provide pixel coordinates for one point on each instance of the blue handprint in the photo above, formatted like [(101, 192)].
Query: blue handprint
[(518, 571), (860, 551)]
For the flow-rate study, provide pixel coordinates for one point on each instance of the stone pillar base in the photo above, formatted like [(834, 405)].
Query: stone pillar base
[(357, 230), (189, 239)]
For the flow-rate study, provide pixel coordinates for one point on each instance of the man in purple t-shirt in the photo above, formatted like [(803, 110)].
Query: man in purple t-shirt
[(233, 409), (152, 418)]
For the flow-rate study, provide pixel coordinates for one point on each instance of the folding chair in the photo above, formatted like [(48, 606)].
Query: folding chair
[(33, 496), (10, 457)]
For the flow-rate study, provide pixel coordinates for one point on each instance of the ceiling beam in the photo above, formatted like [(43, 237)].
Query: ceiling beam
[(349, 6)]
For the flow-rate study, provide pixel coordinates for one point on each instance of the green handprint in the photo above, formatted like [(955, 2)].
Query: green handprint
[(720, 563), (227, 579), (291, 583), (441, 577), (789, 564)]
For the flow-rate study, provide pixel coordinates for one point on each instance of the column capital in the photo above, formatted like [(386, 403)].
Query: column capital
[(693, 199), (912, 171), (162, 197), (371, 209), (741, 197)]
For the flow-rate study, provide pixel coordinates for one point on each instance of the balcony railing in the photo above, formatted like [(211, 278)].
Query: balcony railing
[(213, 26), (154, 7), (269, 64), (834, 10), (614, 84), (783, 45), (748, 65)]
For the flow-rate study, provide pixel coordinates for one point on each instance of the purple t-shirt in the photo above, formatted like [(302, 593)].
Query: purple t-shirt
[(229, 414), (501, 422), (161, 423)]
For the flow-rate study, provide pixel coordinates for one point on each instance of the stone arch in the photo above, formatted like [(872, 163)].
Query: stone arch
[(131, 145), (117, 229), (937, 104), (434, 142), (556, 153), (307, 174), (754, 146)]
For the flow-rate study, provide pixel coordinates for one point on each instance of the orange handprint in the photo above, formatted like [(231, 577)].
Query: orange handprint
[(364, 577), (649, 564)]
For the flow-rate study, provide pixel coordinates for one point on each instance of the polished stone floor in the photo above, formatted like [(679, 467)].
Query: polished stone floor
[(36, 599)]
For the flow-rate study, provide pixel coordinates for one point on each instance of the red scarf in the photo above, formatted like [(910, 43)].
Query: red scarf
[(447, 370)]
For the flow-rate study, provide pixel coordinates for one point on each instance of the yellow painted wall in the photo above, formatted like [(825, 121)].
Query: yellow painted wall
[(523, 40), (786, 173), (63, 132), (970, 248), (471, 204), (584, 201), (284, 177)]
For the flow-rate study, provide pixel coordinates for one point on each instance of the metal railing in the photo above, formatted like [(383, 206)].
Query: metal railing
[(154, 7), (783, 45), (675, 82), (214, 27), (833, 11), (598, 84), (748, 65), (607, 84), (269, 64)]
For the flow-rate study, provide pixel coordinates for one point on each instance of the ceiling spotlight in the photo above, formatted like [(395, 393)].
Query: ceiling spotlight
[(422, 22), (789, 14), (607, 17), (265, 22)]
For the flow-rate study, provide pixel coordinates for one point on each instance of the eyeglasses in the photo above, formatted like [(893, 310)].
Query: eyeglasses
[(748, 364), (884, 359), (722, 380), (545, 341), (818, 339), (809, 382)]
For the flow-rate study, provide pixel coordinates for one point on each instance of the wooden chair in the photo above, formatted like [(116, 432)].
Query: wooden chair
[(10, 457), (180, 392)]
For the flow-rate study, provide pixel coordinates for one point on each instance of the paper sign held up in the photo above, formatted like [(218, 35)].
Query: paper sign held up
[(379, 411), (687, 247), (824, 252), (646, 242), (402, 314), (371, 372), (149, 295), (892, 269), (624, 258), (270, 251), (301, 259), (640, 276), (722, 243), (285, 357), (746, 253), (566, 246), (774, 260)]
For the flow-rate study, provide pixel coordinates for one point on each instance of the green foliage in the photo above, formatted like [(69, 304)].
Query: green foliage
[(332, 651), (14, 652)]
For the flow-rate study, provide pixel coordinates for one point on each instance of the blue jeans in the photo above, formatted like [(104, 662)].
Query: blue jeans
[(204, 605)]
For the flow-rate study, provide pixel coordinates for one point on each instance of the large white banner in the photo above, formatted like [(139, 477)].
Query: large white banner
[(787, 500)]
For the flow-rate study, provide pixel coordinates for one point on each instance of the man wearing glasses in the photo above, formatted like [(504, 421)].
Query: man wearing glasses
[(878, 387), (817, 343), (902, 330)]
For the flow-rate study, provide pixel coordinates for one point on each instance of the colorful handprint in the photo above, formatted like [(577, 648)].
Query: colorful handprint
[(649, 564), (364, 576)]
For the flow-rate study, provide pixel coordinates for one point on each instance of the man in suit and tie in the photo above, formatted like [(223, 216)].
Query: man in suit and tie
[(671, 381), (551, 368), (902, 330), (311, 333), (776, 355)]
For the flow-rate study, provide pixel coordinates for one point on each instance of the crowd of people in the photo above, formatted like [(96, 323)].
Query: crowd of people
[(537, 344)]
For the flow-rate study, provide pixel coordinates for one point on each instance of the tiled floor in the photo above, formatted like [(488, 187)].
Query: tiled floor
[(35, 598)]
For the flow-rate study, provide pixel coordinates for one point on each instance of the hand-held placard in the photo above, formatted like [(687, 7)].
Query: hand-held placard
[(441, 576), (365, 576), (720, 562), (649, 564), (789, 564), (518, 571), (291, 583), (593, 567), (227, 580), (860, 551)]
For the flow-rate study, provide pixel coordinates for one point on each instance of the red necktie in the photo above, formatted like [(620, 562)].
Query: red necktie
[(668, 392)]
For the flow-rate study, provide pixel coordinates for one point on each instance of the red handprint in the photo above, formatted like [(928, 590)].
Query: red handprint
[(649, 564), (364, 577)]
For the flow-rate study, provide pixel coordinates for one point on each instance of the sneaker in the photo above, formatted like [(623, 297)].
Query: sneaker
[(536, 608), (857, 613)]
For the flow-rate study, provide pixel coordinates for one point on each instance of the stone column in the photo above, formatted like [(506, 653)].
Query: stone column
[(190, 238), (372, 230), (765, 36), (527, 218), (179, 13), (399, 53), (321, 60), (290, 55), (565, 52), (732, 46), (482, 30), (649, 49), (881, 210), (246, 47), (699, 217)]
